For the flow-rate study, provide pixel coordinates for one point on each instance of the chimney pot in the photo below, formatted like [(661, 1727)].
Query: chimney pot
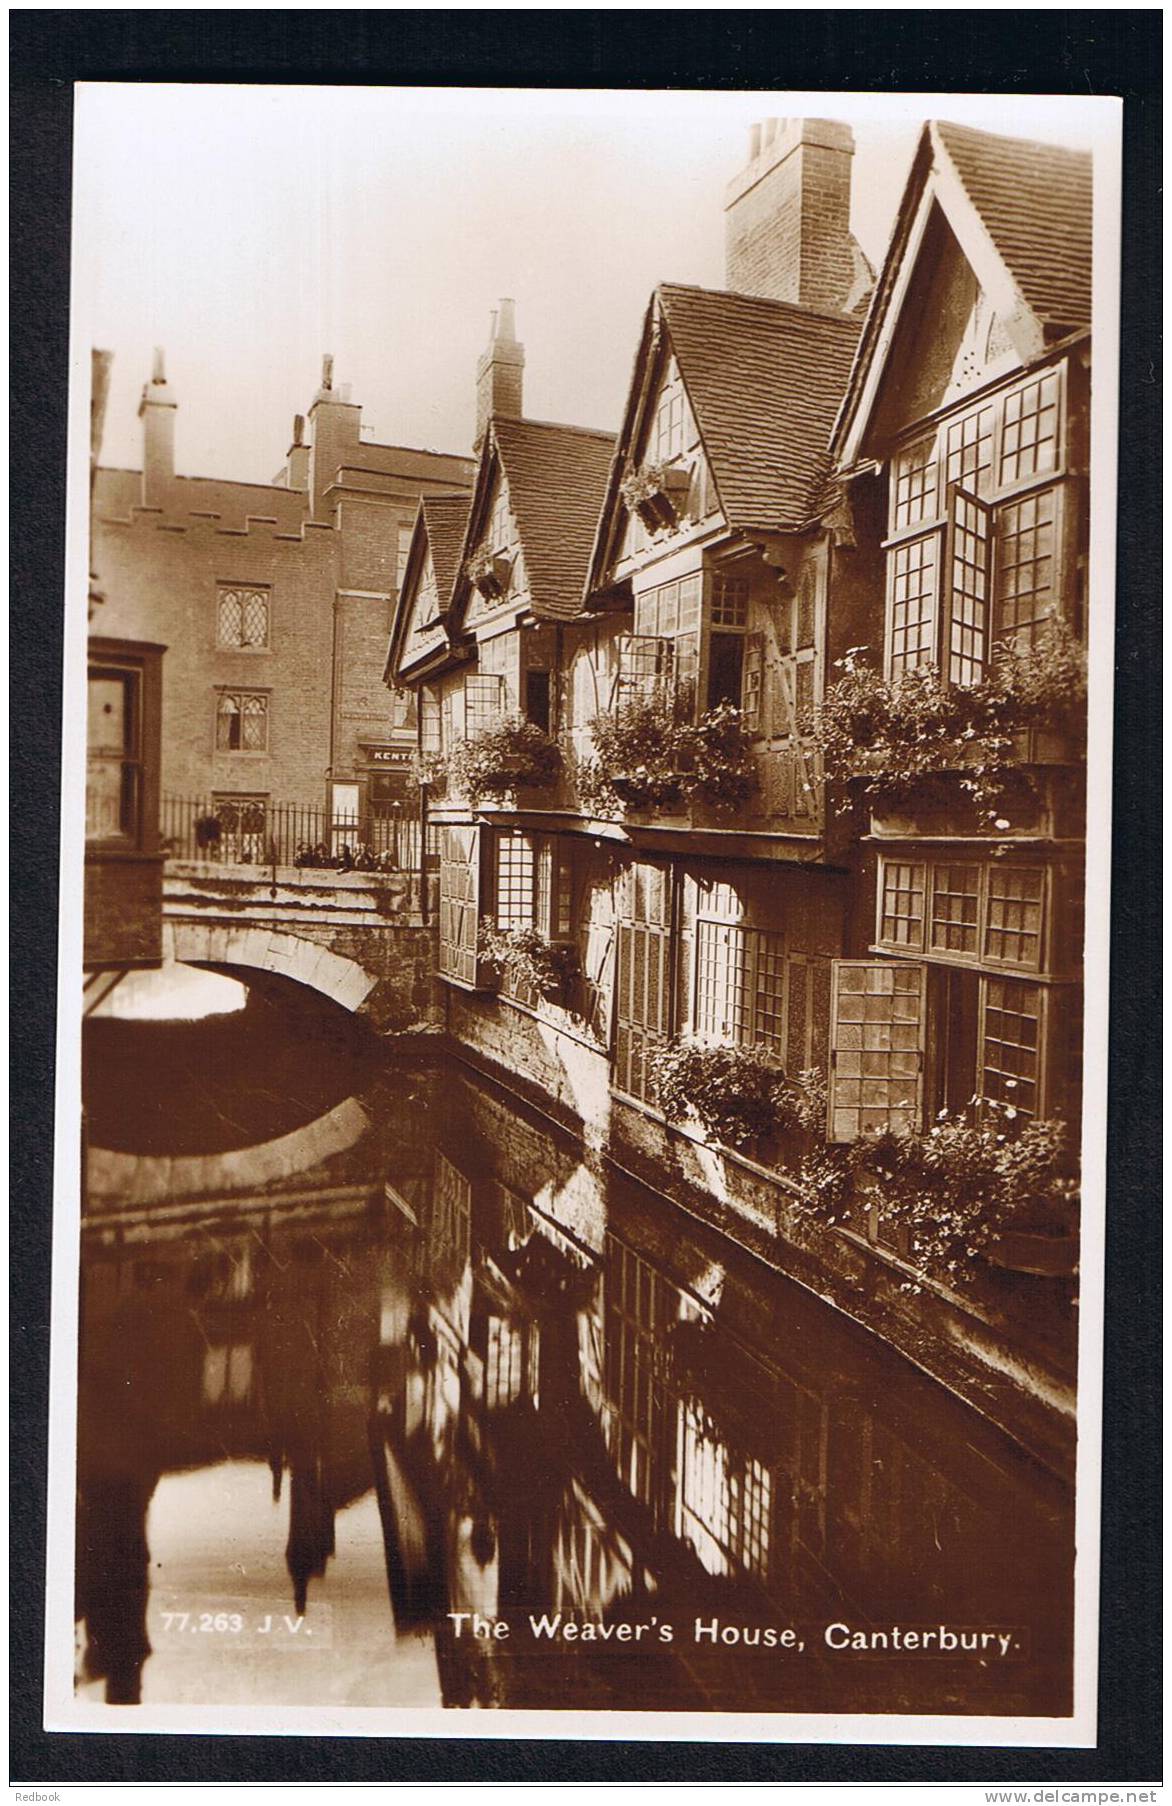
[(158, 366), (299, 429)]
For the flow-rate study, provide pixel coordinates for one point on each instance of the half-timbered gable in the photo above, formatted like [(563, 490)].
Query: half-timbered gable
[(419, 633)]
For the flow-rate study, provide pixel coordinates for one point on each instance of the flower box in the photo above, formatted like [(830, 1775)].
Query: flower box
[(1037, 1251), (658, 493), (490, 574)]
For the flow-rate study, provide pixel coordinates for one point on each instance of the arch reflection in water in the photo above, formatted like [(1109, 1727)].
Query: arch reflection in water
[(453, 1368)]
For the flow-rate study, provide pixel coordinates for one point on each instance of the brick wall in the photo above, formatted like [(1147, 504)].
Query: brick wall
[(160, 578)]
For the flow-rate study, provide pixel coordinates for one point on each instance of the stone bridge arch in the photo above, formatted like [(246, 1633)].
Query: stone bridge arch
[(297, 956)]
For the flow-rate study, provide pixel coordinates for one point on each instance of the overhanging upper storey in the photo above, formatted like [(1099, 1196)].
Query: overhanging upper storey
[(727, 424), (989, 267)]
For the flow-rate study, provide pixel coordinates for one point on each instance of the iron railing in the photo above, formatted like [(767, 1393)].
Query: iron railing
[(257, 831)]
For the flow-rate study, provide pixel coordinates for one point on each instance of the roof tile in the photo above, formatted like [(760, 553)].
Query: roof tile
[(1035, 203), (557, 479), (765, 379)]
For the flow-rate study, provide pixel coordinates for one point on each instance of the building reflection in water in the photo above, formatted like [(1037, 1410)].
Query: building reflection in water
[(453, 1369)]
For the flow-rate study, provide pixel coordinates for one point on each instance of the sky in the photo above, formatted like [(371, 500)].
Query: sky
[(248, 230)]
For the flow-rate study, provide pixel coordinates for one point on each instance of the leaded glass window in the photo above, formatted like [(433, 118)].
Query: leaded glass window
[(242, 721), (242, 619)]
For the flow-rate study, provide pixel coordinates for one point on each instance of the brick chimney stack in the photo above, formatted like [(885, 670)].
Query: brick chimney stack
[(297, 468), (335, 421), (787, 217), (500, 371), (157, 411)]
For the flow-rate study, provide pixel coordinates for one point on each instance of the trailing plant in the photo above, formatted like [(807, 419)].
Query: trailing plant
[(529, 959), (650, 757), (958, 1187), (488, 572), (896, 734), (738, 1094), (514, 754), (718, 755), (430, 769), (656, 492)]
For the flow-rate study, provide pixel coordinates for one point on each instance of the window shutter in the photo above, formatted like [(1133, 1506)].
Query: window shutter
[(876, 1047), (752, 680), (459, 904), (968, 563)]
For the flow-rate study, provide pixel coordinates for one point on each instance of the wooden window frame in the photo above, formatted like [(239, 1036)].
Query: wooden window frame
[(995, 497), (980, 959)]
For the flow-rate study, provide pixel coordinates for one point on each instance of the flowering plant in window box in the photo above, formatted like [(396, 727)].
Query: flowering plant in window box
[(527, 959), (513, 754), (969, 1185), (651, 758), (658, 493), (900, 734), (429, 769), (489, 572), (738, 1094)]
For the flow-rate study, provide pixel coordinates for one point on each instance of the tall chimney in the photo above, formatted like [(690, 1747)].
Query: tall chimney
[(787, 217), (297, 468), (336, 421), (157, 411), (499, 372)]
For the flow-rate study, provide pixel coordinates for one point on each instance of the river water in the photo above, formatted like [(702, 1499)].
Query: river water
[(375, 1360)]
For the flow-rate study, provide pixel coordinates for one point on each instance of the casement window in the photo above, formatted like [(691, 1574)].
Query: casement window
[(430, 721), (646, 668), (668, 436), (499, 532), (877, 1038), (644, 975), (908, 1040), (750, 991), (534, 883), (980, 912), (242, 721), (484, 701), (242, 618), (967, 564), (730, 600), (1029, 431), (459, 904), (113, 788), (1011, 1043)]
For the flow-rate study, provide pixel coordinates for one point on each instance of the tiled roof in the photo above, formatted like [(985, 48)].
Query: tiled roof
[(765, 379), (1035, 203), (557, 479), (445, 518)]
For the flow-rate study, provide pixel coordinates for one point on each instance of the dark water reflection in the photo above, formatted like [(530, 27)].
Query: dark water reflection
[(455, 1368)]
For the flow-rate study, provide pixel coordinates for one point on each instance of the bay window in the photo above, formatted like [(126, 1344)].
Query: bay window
[(973, 553), (988, 911)]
